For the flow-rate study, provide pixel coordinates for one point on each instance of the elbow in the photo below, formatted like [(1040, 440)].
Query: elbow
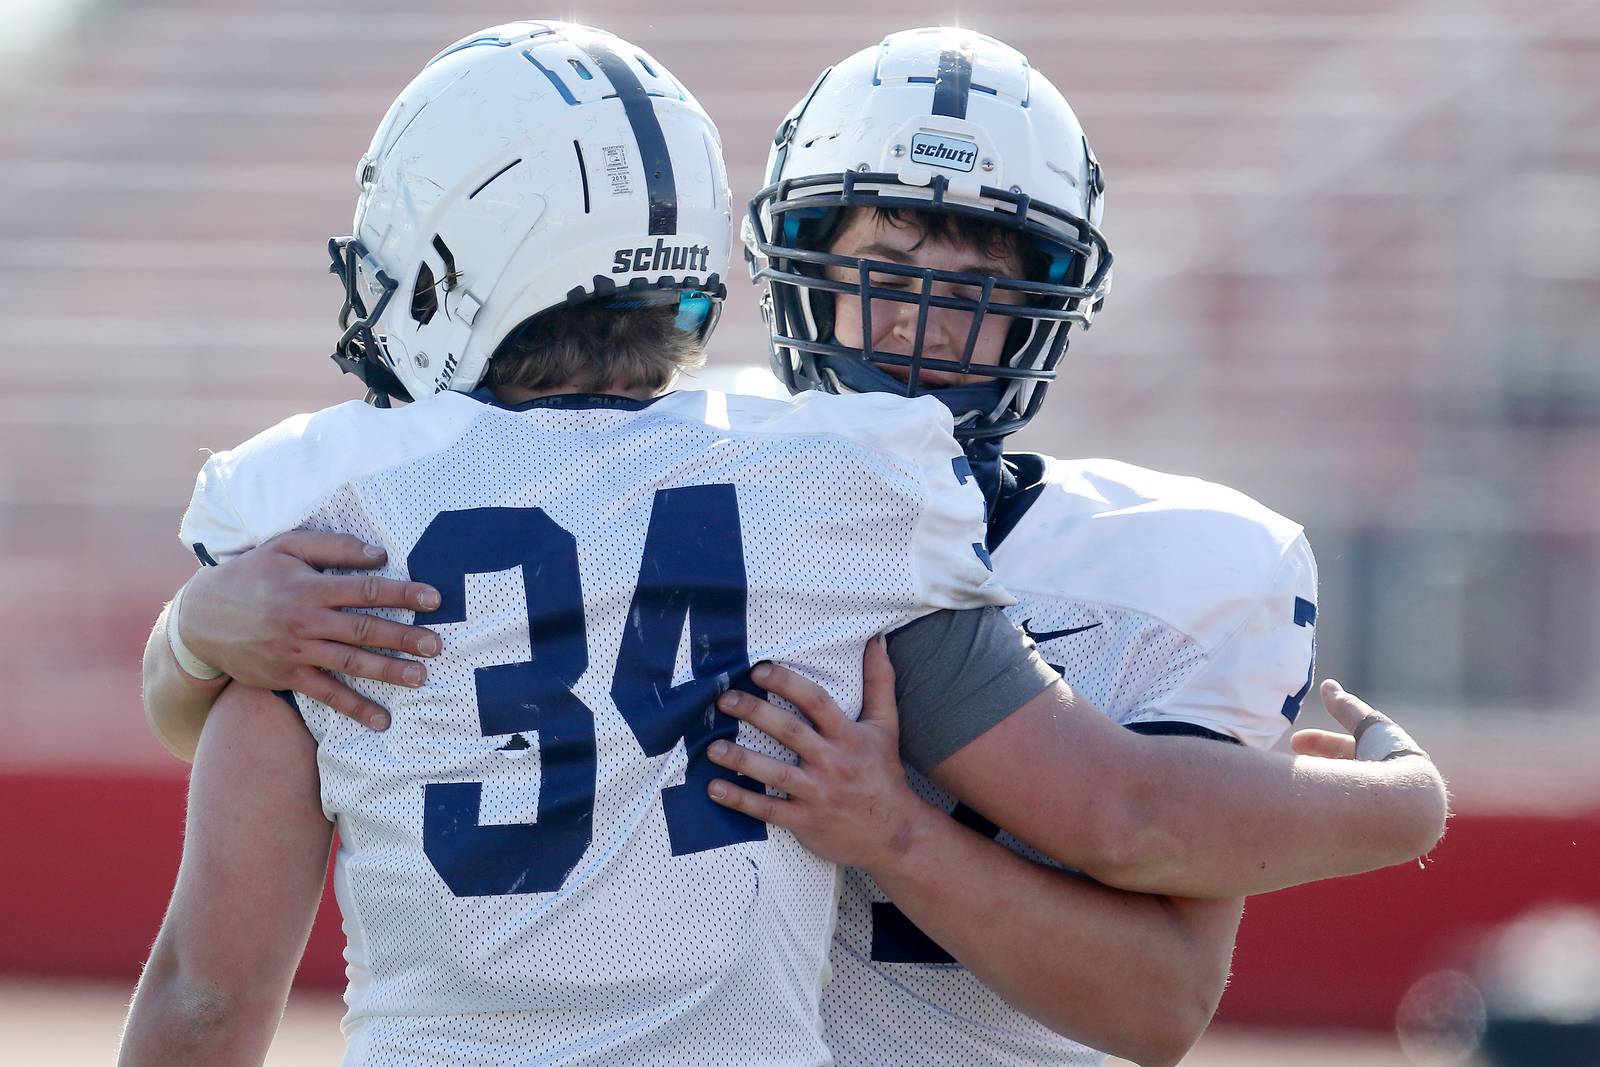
[(1154, 1030), (1411, 820), (183, 748), (1160, 1003), (1182, 999), (1431, 812), (175, 1019), (1123, 846), (1191, 1002), (199, 1014), (1162, 1049), (1167, 1034)]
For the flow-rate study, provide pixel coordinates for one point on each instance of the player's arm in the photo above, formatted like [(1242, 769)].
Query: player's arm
[(1131, 974), (176, 702), (1178, 815), (1162, 814), (254, 855), (269, 618), (1189, 816)]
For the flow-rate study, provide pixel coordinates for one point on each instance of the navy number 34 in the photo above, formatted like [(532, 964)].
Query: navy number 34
[(691, 574)]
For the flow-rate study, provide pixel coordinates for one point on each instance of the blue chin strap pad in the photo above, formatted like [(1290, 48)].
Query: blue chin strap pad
[(862, 377)]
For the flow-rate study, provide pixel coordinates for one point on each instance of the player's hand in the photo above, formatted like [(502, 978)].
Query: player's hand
[(1348, 710), (847, 799), (271, 619)]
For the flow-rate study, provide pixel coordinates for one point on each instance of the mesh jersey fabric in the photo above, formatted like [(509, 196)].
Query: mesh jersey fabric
[(1157, 597), (528, 868)]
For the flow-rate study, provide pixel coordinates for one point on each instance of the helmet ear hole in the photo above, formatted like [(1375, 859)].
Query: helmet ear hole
[(424, 299)]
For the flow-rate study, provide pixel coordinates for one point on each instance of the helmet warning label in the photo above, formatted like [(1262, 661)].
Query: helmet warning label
[(616, 163), (951, 153)]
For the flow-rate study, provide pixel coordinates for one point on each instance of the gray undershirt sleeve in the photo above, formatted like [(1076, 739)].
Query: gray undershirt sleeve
[(956, 674)]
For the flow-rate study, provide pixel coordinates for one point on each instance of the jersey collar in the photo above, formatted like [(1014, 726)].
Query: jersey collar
[(1022, 479), (566, 401)]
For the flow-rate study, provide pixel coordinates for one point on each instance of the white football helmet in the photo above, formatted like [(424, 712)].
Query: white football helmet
[(528, 166), (936, 120)]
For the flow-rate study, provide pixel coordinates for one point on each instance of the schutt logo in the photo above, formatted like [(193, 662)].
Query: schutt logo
[(662, 257), (952, 153)]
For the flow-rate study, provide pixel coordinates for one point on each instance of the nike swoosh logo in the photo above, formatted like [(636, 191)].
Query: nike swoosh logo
[(1051, 635)]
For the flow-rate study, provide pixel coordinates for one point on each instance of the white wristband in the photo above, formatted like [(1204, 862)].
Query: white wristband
[(1380, 738), (188, 662)]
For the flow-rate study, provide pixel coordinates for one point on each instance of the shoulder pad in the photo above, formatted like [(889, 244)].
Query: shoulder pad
[(271, 482), (1196, 555)]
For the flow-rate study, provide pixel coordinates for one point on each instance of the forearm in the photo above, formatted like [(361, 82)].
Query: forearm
[(255, 853), (1208, 820), (1121, 972), (175, 703), (1187, 816)]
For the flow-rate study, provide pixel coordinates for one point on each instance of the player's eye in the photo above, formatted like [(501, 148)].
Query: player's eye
[(897, 282)]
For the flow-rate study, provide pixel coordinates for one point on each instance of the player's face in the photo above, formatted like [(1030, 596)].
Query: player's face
[(894, 324)]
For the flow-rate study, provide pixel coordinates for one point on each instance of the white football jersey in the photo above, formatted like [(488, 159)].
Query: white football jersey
[(528, 867), (1160, 599)]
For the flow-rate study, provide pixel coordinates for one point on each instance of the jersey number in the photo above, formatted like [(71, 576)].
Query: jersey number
[(691, 574)]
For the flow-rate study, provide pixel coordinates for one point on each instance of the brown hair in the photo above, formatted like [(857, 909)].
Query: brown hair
[(594, 349), (981, 235)]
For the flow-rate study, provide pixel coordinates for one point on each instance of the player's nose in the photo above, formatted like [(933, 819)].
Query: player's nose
[(945, 334)]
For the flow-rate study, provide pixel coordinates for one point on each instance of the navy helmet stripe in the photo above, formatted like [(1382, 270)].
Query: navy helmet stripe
[(653, 154), (954, 83)]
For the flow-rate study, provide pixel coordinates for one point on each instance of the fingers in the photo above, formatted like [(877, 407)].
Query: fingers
[(371, 631), (1347, 709), (359, 663), (812, 700), (877, 684), (371, 591), (1323, 743), (756, 804), (777, 774), (784, 727), (322, 549), (324, 687)]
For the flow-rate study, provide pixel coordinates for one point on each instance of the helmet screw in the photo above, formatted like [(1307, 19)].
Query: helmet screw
[(898, 150), (1016, 188), (421, 359), (862, 167), (987, 164)]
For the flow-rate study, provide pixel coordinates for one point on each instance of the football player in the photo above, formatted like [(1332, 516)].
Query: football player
[(265, 618), (932, 227), (529, 866)]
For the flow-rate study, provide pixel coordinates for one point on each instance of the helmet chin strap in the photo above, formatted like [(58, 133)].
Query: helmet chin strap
[(985, 456)]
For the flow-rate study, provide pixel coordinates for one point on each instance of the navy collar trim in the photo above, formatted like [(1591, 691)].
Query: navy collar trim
[(566, 401), (1022, 480)]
